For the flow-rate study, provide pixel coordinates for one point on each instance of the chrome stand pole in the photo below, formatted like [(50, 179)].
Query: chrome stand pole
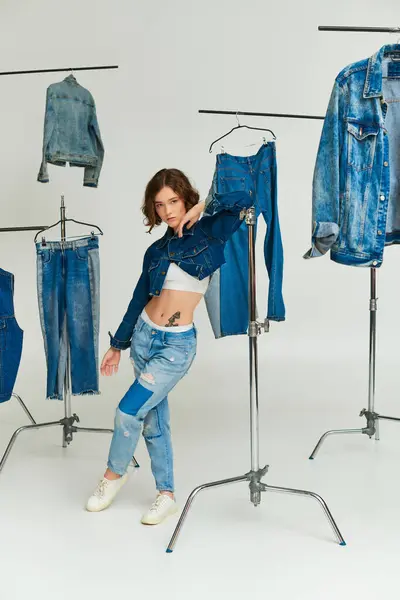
[(373, 418), (256, 473)]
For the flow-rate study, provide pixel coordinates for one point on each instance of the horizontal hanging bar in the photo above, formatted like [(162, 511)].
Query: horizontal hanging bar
[(31, 228), (366, 29), (57, 70), (256, 114)]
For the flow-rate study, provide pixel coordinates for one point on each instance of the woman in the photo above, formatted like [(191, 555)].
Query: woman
[(158, 327)]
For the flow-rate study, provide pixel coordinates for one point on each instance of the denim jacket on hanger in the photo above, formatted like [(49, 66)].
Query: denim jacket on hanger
[(199, 253), (71, 131), (356, 188)]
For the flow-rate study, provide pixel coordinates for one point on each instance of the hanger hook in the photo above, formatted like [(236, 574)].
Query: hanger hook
[(237, 118)]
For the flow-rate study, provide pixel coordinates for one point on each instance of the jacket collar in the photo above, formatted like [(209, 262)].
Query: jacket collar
[(373, 81), (170, 234)]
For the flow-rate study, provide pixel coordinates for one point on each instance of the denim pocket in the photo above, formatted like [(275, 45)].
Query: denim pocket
[(154, 263), (45, 255), (82, 252), (361, 145), (195, 250), (232, 184)]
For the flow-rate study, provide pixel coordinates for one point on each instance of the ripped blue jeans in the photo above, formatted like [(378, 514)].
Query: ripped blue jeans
[(161, 359)]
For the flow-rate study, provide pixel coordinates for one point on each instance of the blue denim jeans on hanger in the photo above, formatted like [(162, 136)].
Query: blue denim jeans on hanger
[(68, 284), (160, 359), (227, 296), (11, 336)]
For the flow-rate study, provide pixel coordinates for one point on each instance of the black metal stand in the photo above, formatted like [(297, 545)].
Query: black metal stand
[(28, 72)]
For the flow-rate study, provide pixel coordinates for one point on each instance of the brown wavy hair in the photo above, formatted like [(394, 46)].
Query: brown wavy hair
[(177, 181)]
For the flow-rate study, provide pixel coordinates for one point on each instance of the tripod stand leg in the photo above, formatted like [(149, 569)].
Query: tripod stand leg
[(189, 502), (16, 434), (32, 420), (332, 432), (271, 488)]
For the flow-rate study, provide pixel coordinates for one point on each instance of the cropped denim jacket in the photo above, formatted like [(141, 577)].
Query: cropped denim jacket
[(71, 131), (199, 252)]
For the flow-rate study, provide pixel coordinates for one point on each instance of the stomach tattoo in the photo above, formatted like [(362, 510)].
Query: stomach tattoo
[(171, 320)]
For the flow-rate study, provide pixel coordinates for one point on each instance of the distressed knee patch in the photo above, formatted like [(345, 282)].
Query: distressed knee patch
[(148, 377), (135, 397)]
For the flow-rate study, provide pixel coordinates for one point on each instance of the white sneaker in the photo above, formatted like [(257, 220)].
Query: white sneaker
[(105, 493), (163, 507)]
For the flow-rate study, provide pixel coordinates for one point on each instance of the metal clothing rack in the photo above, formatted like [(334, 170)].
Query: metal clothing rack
[(359, 29), (68, 422), (259, 114), (254, 476), (59, 70), (372, 417)]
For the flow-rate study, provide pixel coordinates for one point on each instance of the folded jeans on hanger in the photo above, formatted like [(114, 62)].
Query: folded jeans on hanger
[(227, 295), (68, 285)]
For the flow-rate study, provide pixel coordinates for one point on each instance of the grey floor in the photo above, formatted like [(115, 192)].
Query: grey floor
[(51, 548)]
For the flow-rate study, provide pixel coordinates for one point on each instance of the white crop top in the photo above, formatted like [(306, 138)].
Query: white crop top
[(177, 279)]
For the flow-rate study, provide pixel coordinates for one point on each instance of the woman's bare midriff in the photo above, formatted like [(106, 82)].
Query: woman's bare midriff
[(173, 307)]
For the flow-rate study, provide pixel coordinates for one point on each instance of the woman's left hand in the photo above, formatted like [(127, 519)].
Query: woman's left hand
[(190, 217)]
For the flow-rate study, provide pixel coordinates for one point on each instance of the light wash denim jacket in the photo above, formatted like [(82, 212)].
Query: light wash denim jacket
[(199, 253), (71, 131), (356, 190)]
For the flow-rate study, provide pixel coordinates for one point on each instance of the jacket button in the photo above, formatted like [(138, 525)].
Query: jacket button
[(379, 232), (381, 197), (386, 164), (162, 272), (375, 263), (172, 254), (157, 291)]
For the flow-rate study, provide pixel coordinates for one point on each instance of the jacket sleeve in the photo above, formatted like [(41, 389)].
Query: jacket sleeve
[(123, 335), (326, 193), (49, 124), (222, 216), (92, 174)]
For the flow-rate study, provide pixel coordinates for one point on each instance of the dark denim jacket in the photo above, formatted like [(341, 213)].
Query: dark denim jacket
[(199, 253), (356, 178), (71, 131)]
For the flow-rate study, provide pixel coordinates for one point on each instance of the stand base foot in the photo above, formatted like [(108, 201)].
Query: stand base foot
[(256, 487), (371, 430), (67, 423)]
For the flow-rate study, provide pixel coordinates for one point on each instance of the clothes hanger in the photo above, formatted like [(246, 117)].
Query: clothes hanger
[(396, 50), (72, 73), (239, 126), (99, 231)]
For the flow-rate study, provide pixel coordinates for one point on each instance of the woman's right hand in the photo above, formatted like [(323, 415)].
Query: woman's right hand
[(110, 362)]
